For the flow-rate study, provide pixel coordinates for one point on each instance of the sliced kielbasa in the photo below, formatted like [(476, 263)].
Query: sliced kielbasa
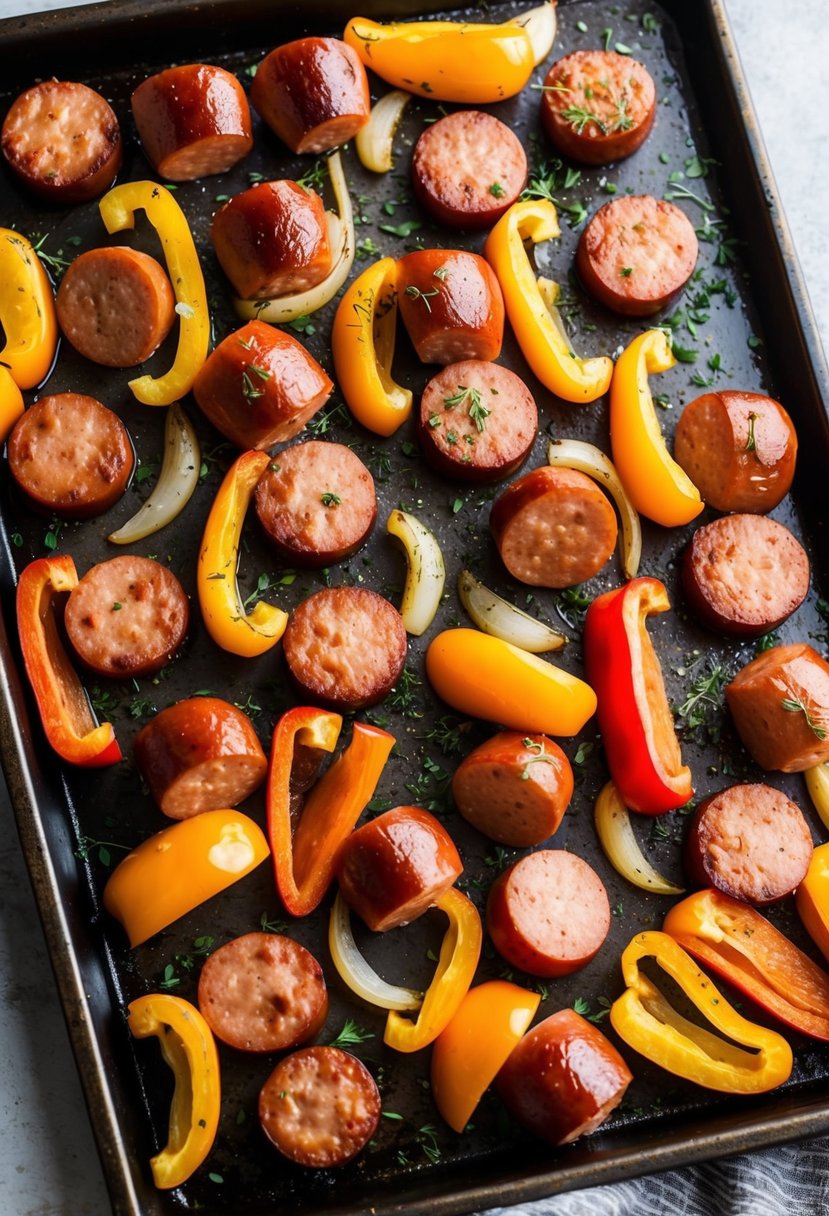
[(780, 706), (597, 106), (451, 305)]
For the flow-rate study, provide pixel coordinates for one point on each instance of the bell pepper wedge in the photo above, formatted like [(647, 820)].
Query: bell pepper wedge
[(246, 634), (812, 899), (469, 1052), (656, 485), (362, 345), (304, 856), (188, 1047), (637, 726), (118, 209), (11, 403), (177, 869), (742, 947), (472, 63), (750, 1060), (817, 783), (455, 970), (27, 311), (530, 304), (70, 725)]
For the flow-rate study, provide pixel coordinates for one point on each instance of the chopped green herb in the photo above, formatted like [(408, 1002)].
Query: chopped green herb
[(795, 706), (497, 190), (626, 272), (330, 500), (351, 1035), (751, 442), (402, 230), (416, 294)]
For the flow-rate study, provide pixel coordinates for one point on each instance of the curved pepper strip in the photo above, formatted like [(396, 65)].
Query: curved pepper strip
[(742, 947), (304, 859), (637, 726), (362, 344), (69, 723), (247, 634), (118, 209), (817, 783), (460, 61), (530, 305), (655, 483), (11, 403), (27, 311), (459, 954), (812, 899), (648, 1023), (188, 1047)]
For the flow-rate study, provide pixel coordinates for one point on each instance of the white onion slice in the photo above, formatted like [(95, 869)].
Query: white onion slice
[(353, 969), (283, 309), (374, 140), (425, 573), (503, 620), (817, 783), (177, 480), (613, 827), (540, 24), (585, 458)]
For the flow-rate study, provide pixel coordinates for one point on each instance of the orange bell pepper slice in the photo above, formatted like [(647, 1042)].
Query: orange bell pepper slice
[(27, 311), (812, 899)]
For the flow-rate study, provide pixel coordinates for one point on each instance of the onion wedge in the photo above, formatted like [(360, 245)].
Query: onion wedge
[(374, 140), (353, 969), (177, 480), (283, 309), (817, 783), (613, 827), (540, 24), (585, 458), (501, 619), (425, 575)]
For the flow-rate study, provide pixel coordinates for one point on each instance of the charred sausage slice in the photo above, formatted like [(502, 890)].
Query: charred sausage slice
[(780, 706), (451, 305), (597, 106)]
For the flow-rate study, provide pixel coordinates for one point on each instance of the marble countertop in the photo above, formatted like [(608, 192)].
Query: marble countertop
[(48, 1161)]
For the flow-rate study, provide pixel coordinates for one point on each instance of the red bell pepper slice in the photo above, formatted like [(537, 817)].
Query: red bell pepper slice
[(68, 720), (634, 715), (304, 856)]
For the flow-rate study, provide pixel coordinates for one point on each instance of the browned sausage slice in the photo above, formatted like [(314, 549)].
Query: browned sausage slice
[(744, 574), (468, 169), (553, 527), (115, 305), (636, 254), (548, 914), (201, 754), (316, 502), (320, 1107), (780, 706), (477, 422), (70, 455), (451, 305), (63, 142), (345, 647), (597, 106), (750, 842), (127, 616)]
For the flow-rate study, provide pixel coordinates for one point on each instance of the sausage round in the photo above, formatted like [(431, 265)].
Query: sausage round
[(201, 754), (319, 1107), (750, 842), (514, 788), (260, 386), (63, 141), (548, 914), (115, 305), (739, 450), (597, 106), (263, 992), (395, 867), (193, 121), (345, 647), (744, 574), (70, 455), (563, 1079), (636, 254), (316, 502), (451, 305), (477, 421), (272, 240), (468, 169), (780, 706), (553, 527), (127, 616), (313, 93)]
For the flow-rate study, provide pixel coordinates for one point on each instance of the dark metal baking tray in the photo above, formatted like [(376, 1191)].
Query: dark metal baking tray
[(63, 816)]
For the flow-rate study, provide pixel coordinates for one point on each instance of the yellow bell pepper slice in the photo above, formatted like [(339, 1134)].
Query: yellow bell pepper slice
[(11, 403), (247, 634), (655, 483), (27, 313), (472, 63), (118, 209), (812, 899), (188, 1046), (531, 305), (362, 343), (817, 783)]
